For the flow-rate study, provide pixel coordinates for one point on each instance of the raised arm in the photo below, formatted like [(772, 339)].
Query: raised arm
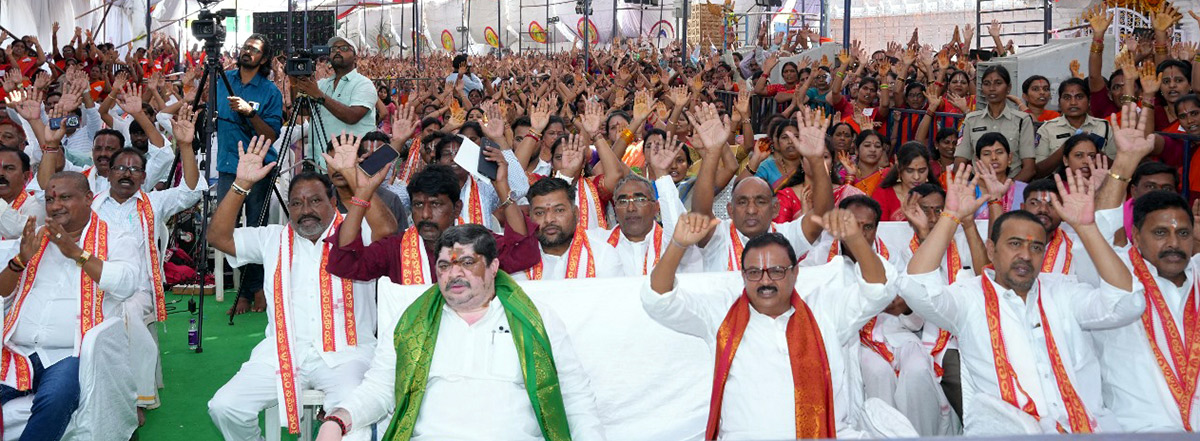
[(812, 126), (1133, 144), (1076, 205), (250, 170), (184, 128), (961, 203), (712, 132), (690, 230)]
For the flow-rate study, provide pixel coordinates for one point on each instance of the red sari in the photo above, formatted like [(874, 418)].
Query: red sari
[(893, 210)]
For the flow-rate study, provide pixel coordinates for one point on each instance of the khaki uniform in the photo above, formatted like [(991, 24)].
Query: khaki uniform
[(1015, 125), (1054, 133)]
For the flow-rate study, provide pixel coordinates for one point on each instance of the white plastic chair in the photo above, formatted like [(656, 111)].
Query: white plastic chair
[(108, 395), (310, 400)]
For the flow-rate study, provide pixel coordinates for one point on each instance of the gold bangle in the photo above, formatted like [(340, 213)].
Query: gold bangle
[(1118, 177)]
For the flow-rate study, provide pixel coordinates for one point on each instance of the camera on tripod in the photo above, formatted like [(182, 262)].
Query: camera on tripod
[(303, 62), (210, 26)]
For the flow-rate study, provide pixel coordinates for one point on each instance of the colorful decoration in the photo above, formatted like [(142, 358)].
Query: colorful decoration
[(447, 40), (489, 35), (662, 29), (537, 32), (593, 35)]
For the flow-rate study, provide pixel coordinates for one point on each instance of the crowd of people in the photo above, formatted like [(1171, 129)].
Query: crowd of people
[(1073, 311)]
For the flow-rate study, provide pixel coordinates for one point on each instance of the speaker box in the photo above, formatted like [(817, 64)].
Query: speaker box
[(320, 27)]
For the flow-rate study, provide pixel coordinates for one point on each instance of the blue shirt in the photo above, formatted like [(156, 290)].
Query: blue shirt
[(233, 127)]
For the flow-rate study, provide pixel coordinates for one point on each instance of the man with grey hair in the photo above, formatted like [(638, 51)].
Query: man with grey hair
[(638, 239)]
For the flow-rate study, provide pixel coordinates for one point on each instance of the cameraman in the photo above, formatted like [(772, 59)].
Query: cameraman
[(462, 66), (346, 101), (255, 108)]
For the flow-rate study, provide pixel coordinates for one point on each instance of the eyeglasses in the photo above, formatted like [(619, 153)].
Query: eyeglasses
[(342, 48), (638, 202), (131, 169), (775, 273), (251, 49), (467, 263)]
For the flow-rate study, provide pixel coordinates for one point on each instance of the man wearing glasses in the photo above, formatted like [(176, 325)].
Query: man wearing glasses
[(780, 361), (346, 101), (255, 109), (638, 240)]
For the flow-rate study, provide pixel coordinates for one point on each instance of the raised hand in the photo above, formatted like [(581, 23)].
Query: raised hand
[(679, 96), (251, 167), (1150, 80), (131, 99), (539, 116), (27, 102), (661, 156), (915, 215), (184, 125), (31, 239), (994, 29), (1074, 202), (345, 154), (1130, 134), (496, 155), (405, 121), (593, 115), (493, 123), (1099, 19), (1074, 66), (839, 223), (843, 158), (692, 228), (960, 194), (1099, 166), (993, 189), (742, 105), (811, 127), (642, 101), (710, 128), (52, 136), (958, 102), (572, 156)]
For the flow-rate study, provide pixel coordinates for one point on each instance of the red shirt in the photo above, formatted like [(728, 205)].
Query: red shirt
[(1101, 104), (27, 65), (889, 203), (383, 257), (1046, 115)]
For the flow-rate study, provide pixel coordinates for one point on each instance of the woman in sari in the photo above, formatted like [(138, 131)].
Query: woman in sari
[(911, 170), (795, 195), (866, 169)]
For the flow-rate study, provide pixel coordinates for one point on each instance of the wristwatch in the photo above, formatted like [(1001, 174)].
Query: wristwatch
[(252, 114), (512, 199), (83, 258)]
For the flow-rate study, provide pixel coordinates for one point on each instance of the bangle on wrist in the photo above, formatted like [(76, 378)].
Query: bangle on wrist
[(677, 244), (951, 216), (239, 190), (337, 420), (1118, 177), (355, 200), (15, 267)]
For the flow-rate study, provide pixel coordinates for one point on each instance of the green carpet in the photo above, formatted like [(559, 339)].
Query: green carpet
[(191, 379)]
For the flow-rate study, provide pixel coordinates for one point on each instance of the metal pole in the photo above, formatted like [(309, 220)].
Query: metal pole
[(401, 30), (846, 26), (683, 51), (612, 33), (1049, 22), (466, 26), (499, 29), (148, 26), (549, 36), (824, 20), (520, 28), (587, 38)]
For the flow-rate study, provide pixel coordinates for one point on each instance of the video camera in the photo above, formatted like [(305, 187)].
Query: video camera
[(303, 62), (210, 26)]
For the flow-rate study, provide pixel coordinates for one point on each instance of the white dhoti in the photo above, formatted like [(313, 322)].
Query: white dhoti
[(235, 407), (908, 383), (143, 347)]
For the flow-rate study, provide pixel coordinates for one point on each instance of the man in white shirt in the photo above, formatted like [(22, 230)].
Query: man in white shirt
[(1024, 341), (68, 276), (479, 197), (568, 252), (1063, 254), (638, 240), (126, 206), (345, 101), (753, 205), (20, 204), (465, 355), (781, 372), (462, 67), (320, 331), (1148, 383)]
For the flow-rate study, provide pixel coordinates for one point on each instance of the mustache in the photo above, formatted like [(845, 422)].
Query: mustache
[(1023, 264), (766, 288), (426, 223), (1168, 253), (459, 281), (308, 217)]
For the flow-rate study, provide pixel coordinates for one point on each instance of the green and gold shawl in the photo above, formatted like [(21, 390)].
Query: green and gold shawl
[(416, 337)]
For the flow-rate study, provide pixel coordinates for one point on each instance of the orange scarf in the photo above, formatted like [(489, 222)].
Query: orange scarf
[(146, 215), (736, 247), (412, 264), (282, 303), (1006, 376), (615, 238), (405, 170), (1182, 369), (91, 301), (811, 380), (588, 199), (1060, 238), (574, 256), (953, 266), (474, 205)]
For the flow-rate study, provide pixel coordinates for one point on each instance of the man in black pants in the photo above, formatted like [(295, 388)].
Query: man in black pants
[(255, 107)]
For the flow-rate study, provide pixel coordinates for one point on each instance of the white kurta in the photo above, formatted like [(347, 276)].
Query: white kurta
[(1135, 387), (605, 259), (475, 389), (759, 401), (637, 258), (1071, 307), (258, 385), (717, 251), (49, 321), (12, 222)]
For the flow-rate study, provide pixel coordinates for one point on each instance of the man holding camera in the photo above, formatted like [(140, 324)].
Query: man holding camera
[(255, 109), (346, 101)]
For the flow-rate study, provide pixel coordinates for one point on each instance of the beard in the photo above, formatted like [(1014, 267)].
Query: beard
[(1019, 285), (557, 240), (246, 62), (310, 226)]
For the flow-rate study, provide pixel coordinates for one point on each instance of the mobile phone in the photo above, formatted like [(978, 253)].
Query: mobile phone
[(378, 160), (70, 122), (487, 168)]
